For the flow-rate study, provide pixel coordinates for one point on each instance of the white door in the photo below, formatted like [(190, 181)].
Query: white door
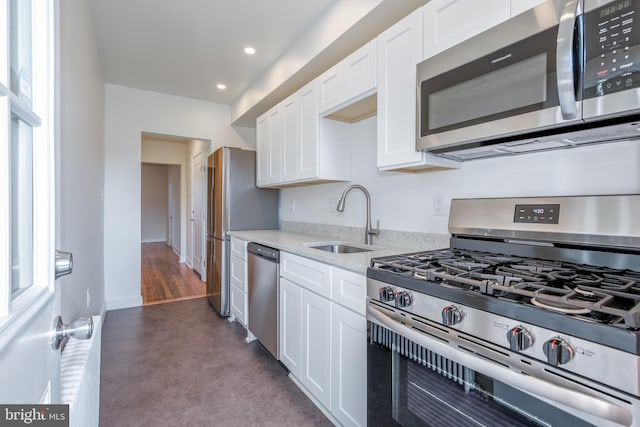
[(170, 202), (289, 324), (29, 298), (197, 213), (316, 346)]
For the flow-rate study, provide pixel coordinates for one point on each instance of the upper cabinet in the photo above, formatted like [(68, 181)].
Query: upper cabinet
[(399, 50), (294, 145), (449, 22), (351, 79)]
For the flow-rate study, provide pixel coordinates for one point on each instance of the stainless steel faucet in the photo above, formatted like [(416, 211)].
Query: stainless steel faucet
[(369, 232)]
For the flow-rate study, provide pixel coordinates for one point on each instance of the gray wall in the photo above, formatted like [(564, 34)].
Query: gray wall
[(155, 202)]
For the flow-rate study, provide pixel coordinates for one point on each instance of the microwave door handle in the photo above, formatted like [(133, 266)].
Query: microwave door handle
[(538, 387), (565, 61)]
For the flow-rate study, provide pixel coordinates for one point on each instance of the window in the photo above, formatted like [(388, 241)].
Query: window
[(26, 152)]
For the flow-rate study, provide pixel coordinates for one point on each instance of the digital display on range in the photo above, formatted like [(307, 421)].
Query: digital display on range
[(537, 214)]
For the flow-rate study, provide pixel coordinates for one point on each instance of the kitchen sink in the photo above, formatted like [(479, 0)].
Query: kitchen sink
[(339, 248)]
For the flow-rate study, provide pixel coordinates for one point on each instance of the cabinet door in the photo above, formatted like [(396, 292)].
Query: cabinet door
[(519, 6), (290, 139), (360, 70), (275, 145), (349, 289), (449, 22), (349, 367), (309, 133), (290, 326), (331, 88), (316, 346), (238, 305), (239, 248), (399, 50), (238, 273), (262, 150)]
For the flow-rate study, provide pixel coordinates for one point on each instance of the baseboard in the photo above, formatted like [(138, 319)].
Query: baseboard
[(127, 302), (154, 241)]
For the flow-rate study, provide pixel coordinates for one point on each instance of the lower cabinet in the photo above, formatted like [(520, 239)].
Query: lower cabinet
[(290, 328), (316, 346), (324, 345), (238, 282), (349, 367)]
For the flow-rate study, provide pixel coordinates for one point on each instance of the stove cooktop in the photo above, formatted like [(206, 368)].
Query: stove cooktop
[(596, 294)]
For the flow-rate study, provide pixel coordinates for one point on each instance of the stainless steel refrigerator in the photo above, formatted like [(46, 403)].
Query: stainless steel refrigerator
[(233, 203)]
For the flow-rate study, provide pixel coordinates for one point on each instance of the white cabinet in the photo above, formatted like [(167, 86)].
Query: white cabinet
[(323, 334), (315, 369), (351, 79), (449, 22), (399, 50), (238, 282), (348, 368), (290, 344), (269, 134), (262, 150), (310, 274), (294, 145), (519, 6)]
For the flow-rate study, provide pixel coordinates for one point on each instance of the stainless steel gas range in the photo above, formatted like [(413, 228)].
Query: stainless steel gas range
[(531, 317)]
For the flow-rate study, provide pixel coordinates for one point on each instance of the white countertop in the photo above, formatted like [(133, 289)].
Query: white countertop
[(298, 244)]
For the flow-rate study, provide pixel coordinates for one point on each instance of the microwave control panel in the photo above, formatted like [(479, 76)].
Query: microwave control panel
[(612, 48)]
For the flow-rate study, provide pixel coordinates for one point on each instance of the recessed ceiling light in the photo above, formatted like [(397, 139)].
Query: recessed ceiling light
[(221, 86), (249, 50)]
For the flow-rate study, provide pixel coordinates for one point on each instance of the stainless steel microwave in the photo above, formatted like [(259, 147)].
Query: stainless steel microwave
[(562, 74)]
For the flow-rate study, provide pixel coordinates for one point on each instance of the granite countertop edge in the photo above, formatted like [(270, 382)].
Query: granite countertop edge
[(298, 244)]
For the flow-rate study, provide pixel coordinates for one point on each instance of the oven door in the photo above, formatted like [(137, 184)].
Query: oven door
[(483, 89), (423, 375)]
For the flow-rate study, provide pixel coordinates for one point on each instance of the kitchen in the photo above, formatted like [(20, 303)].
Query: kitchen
[(403, 202)]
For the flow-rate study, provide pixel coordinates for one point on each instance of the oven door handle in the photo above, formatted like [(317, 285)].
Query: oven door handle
[(544, 389), (565, 61)]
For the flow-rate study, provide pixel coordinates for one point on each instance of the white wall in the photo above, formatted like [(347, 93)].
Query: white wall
[(154, 203), (405, 201), (129, 112), (80, 168)]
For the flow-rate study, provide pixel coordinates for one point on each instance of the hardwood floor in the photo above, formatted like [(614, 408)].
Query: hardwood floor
[(164, 279)]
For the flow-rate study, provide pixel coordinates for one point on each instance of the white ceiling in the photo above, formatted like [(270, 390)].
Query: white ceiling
[(186, 47)]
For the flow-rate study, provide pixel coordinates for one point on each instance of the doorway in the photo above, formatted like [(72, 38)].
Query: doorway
[(168, 202)]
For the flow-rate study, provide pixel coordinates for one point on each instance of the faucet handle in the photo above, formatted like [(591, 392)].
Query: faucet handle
[(375, 231)]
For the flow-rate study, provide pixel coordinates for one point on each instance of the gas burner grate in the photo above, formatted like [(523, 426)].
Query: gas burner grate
[(606, 295)]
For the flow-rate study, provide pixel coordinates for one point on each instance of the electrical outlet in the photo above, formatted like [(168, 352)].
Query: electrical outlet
[(292, 206), (439, 205), (88, 298)]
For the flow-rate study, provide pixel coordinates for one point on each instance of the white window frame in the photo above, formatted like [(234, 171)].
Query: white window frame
[(41, 114)]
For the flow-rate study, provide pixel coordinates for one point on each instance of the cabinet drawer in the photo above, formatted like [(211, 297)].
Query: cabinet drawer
[(239, 248), (238, 273), (307, 273), (238, 300), (349, 289)]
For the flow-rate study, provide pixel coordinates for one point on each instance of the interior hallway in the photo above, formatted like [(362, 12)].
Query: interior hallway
[(181, 364), (164, 279)]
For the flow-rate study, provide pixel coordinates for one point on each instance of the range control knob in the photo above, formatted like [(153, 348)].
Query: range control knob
[(558, 351), (451, 315), (403, 299), (386, 294), (519, 338)]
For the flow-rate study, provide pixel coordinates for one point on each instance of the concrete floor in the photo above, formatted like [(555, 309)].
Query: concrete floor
[(180, 364)]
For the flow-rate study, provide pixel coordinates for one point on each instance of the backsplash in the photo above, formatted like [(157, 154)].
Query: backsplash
[(403, 239)]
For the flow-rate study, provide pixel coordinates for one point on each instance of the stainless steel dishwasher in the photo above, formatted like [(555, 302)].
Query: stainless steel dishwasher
[(263, 295)]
